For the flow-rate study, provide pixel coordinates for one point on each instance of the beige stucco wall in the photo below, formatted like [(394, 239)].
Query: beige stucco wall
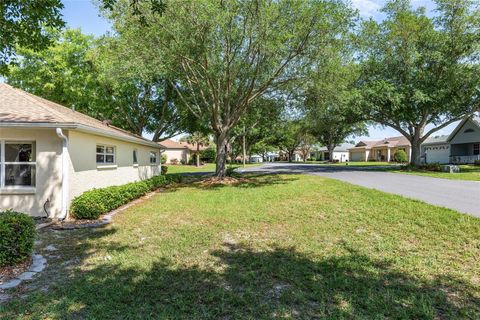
[(48, 173), (85, 174), (179, 154)]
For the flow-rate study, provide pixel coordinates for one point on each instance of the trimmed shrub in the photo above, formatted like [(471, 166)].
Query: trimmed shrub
[(164, 170), (17, 235), (476, 163), (163, 159), (400, 156), (92, 204)]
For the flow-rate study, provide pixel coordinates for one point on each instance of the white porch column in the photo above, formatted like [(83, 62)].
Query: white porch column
[(367, 153), (388, 154)]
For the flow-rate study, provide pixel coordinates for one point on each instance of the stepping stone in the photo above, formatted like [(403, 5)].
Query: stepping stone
[(27, 275), (10, 284), (51, 247)]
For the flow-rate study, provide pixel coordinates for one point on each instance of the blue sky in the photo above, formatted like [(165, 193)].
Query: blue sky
[(84, 14)]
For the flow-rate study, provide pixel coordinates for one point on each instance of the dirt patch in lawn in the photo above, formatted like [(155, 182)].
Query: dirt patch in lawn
[(226, 181), (10, 272)]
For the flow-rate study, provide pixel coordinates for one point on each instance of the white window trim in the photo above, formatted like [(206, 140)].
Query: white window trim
[(150, 158), (105, 164), (135, 164), (15, 189)]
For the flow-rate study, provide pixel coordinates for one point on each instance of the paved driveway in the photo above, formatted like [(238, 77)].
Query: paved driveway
[(463, 196)]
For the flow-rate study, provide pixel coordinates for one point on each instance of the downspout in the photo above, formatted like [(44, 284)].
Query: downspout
[(65, 176)]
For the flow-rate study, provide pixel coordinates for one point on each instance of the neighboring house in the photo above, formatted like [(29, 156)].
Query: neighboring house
[(461, 146), (49, 154), (340, 153), (381, 150), (179, 151), (436, 150)]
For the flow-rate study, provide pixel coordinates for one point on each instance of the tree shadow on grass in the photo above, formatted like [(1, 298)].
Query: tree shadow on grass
[(243, 181), (247, 284)]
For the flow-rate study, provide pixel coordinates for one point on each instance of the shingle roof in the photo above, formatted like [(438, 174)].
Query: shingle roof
[(20, 107), (340, 148), (172, 144), (436, 139), (391, 142)]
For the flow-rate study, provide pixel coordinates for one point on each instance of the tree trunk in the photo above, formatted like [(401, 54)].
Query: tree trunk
[(330, 149), (290, 156), (198, 155), (221, 141), (244, 156), (416, 159)]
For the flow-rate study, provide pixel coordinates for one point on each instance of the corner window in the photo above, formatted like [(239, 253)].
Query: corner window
[(105, 154), (153, 157), (476, 149), (135, 156), (17, 164)]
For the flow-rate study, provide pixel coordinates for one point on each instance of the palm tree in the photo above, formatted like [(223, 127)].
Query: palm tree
[(197, 139)]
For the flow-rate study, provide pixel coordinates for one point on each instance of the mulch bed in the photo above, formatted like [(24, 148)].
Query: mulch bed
[(226, 181), (9, 272)]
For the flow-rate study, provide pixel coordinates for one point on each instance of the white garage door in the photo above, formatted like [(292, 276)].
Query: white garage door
[(437, 154), (357, 156)]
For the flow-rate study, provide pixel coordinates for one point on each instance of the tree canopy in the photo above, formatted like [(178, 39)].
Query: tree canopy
[(419, 70), (24, 23)]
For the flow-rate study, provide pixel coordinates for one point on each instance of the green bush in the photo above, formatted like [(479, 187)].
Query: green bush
[(400, 156), (163, 159), (208, 155), (476, 163), (17, 235), (92, 204), (164, 170)]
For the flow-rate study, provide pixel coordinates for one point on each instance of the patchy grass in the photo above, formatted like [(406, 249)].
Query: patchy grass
[(467, 172), (206, 168), (272, 247)]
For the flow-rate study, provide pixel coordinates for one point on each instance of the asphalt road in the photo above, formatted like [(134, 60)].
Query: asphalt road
[(463, 196)]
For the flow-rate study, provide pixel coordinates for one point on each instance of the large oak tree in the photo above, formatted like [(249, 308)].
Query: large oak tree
[(420, 70), (226, 54)]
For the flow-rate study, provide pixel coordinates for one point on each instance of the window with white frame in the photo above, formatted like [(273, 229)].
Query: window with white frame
[(135, 156), (105, 154), (17, 164), (153, 157)]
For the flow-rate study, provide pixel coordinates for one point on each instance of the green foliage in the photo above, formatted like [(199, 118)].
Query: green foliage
[(419, 70), (163, 159), (476, 163), (400, 156), (24, 23), (17, 235), (208, 155), (93, 203), (64, 73), (164, 169), (434, 167)]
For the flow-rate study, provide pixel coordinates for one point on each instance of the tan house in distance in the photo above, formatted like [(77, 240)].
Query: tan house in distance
[(49, 154), (177, 151), (381, 150)]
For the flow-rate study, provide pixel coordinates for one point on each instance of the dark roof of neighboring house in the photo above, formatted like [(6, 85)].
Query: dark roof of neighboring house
[(22, 109), (399, 141)]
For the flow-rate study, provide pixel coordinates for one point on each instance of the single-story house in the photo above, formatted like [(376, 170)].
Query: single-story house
[(340, 153), (179, 151), (461, 146), (49, 154), (380, 150)]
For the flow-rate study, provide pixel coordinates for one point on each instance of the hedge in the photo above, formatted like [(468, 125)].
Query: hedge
[(92, 204), (17, 236)]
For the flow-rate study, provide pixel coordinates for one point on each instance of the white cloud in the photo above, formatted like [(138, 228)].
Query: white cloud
[(367, 8)]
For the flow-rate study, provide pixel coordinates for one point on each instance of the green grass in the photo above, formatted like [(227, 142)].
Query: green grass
[(276, 247), (467, 172), (208, 167)]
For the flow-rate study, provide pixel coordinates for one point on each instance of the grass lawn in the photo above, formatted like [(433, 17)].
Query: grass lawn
[(277, 247), (208, 167), (467, 172)]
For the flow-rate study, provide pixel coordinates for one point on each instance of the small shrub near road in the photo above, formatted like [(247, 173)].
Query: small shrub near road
[(434, 167), (164, 170), (400, 156), (17, 235), (92, 204)]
